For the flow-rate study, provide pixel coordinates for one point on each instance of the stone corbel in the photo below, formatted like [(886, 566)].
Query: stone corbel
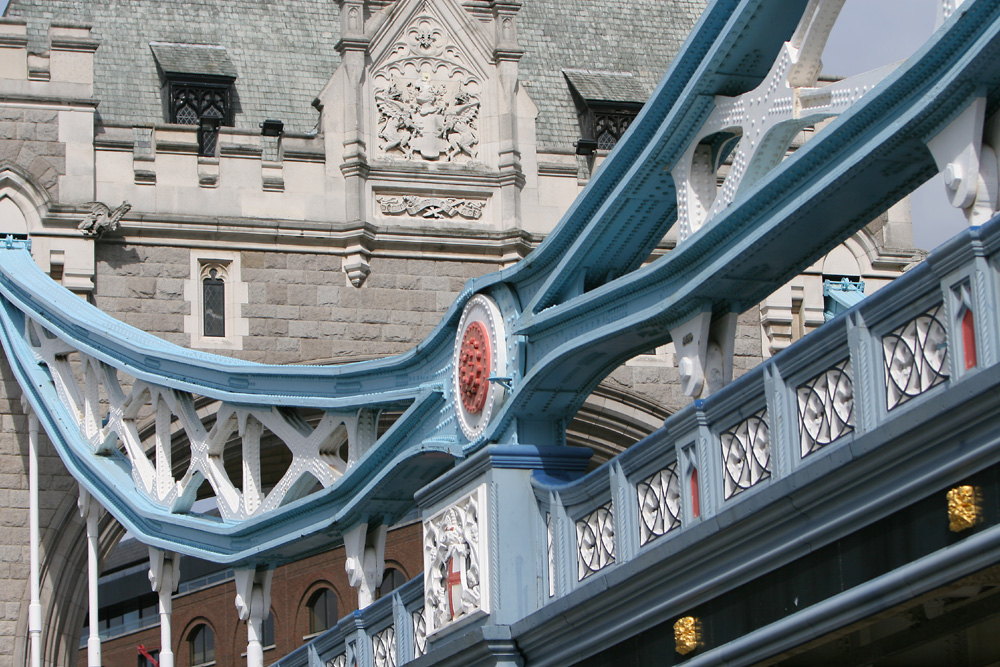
[(365, 560), (356, 264), (705, 352), (964, 152)]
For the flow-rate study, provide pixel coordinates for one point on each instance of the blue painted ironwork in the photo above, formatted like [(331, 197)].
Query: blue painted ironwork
[(574, 309)]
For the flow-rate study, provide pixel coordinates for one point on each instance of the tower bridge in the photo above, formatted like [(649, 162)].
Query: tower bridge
[(809, 495)]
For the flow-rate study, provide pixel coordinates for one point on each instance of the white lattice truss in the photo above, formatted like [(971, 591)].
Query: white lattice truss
[(758, 127), (114, 415)]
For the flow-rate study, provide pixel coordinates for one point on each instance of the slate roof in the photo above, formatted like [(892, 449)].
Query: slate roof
[(204, 59), (596, 86), (283, 52)]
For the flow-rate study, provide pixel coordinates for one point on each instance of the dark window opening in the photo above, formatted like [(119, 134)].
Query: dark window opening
[(606, 104), (610, 126), (206, 104), (267, 631), (214, 298), (202, 644), (323, 612), (391, 580)]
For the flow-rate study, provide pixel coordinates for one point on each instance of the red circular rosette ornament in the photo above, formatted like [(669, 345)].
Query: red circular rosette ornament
[(474, 367)]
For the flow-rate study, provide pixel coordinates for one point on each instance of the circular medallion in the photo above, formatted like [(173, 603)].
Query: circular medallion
[(474, 367), (480, 353)]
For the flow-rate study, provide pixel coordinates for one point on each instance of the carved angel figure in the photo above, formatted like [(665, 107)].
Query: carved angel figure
[(102, 218)]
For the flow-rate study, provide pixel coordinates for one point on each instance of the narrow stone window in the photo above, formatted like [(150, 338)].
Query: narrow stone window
[(214, 304), (217, 296)]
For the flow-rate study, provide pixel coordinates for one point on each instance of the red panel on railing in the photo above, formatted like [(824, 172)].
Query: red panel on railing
[(969, 339), (695, 500)]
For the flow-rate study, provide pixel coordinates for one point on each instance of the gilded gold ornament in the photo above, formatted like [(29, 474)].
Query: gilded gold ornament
[(963, 508), (687, 634)]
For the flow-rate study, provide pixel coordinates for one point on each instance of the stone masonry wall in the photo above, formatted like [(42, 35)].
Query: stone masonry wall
[(29, 138)]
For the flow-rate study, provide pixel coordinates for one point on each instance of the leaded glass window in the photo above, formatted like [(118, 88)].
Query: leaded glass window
[(214, 303), (202, 103)]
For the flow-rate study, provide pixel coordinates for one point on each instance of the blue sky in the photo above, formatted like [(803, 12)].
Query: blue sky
[(871, 33)]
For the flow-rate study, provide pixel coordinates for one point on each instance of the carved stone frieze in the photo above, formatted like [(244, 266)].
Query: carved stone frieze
[(455, 576), (430, 207), (427, 98)]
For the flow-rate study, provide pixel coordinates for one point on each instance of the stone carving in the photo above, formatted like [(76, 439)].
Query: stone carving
[(103, 218), (431, 207), (826, 407), (427, 100), (454, 569)]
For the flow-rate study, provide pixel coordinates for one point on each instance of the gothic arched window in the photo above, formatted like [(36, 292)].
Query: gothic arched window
[(214, 302)]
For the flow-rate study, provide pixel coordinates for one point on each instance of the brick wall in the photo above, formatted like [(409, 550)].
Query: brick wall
[(291, 589)]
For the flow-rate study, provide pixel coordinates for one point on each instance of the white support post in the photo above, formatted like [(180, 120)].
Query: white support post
[(164, 575), (35, 606), (90, 510), (253, 602), (365, 560), (705, 352)]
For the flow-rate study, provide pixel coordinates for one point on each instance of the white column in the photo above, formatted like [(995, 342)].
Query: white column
[(365, 563), (253, 602), (90, 510), (164, 575), (35, 606)]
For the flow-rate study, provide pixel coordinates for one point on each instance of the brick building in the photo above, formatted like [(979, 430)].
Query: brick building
[(315, 182)]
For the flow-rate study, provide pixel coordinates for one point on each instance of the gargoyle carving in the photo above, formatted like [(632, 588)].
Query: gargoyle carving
[(102, 218)]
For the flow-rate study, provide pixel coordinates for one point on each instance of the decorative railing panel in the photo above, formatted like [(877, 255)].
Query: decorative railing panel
[(746, 454), (595, 541), (659, 504), (826, 407), (384, 647), (916, 357), (419, 633)]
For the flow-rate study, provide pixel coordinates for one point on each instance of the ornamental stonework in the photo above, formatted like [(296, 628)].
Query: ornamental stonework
[(455, 567), (430, 208), (427, 99)]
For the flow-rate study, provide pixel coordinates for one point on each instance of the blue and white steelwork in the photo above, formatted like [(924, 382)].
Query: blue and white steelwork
[(578, 306)]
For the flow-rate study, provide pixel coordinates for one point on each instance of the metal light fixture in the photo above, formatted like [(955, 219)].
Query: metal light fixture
[(272, 128), (586, 147)]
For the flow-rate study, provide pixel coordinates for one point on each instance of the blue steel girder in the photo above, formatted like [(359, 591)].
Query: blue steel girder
[(574, 309)]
